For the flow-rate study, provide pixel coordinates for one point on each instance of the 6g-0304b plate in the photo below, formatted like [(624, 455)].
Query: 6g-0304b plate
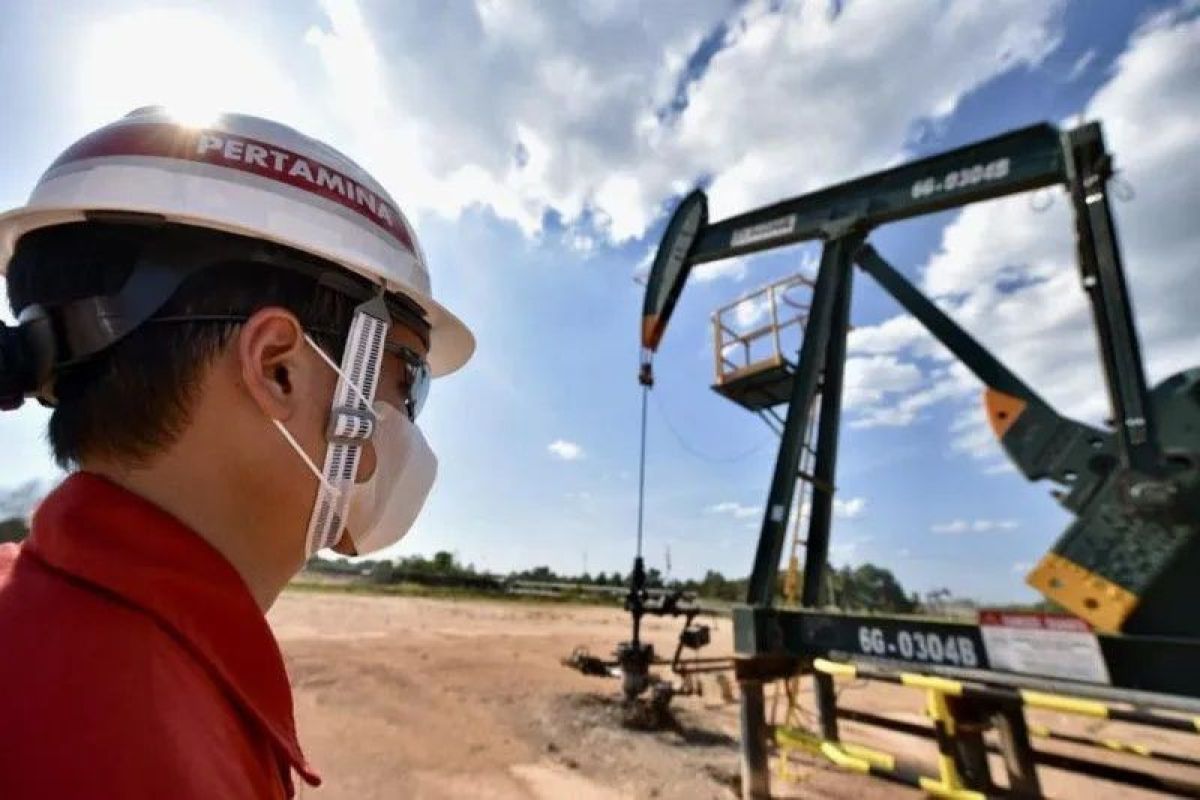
[(908, 639), (1147, 663)]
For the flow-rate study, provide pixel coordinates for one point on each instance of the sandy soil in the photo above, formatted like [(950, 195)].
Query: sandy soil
[(417, 698)]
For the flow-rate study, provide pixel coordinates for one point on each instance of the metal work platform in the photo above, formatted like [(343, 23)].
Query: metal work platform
[(762, 385), (751, 368)]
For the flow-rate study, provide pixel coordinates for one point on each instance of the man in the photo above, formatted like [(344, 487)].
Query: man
[(234, 328)]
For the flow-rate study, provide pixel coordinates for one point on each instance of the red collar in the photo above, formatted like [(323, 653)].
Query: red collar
[(111, 538)]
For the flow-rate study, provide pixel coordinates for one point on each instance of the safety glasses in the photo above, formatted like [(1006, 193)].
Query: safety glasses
[(417, 375), (416, 378)]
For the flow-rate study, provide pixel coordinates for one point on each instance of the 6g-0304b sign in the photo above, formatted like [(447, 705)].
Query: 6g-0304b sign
[(909, 639), (919, 645)]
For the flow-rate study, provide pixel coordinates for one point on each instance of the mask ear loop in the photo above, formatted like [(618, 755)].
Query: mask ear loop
[(353, 387), (307, 461), (360, 361)]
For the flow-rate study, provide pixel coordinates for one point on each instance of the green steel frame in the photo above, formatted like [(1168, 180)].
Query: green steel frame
[(772, 643)]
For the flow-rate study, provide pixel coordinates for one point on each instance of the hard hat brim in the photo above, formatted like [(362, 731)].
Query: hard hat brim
[(451, 343)]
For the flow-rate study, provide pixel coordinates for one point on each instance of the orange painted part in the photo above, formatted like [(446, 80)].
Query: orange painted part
[(651, 332), (1002, 410)]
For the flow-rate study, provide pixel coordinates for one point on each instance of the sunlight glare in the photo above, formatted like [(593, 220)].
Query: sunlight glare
[(191, 62)]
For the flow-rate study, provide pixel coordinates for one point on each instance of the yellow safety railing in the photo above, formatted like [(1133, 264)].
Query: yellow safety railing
[(737, 330), (949, 783)]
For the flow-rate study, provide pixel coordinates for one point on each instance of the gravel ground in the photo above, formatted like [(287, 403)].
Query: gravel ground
[(420, 698)]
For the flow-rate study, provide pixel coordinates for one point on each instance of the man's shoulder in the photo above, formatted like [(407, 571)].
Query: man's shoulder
[(87, 672), (69, 637), (56, 609), (58, 622)]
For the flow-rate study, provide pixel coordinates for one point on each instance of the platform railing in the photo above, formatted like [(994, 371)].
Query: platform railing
[(786, 304)]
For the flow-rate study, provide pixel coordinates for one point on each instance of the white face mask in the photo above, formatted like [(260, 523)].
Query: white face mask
[(383, 509), (380, 510)]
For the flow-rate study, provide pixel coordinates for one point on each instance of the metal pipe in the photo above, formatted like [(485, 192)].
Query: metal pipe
[(1103, 771), (826, 696), (1020, 759), (756, 780), (1064, 703), (1114, 694)]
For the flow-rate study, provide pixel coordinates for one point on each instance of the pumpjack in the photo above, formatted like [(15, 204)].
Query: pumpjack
[(1127, 563)]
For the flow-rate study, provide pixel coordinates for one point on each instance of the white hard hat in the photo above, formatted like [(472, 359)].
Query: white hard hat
[(248, 176)]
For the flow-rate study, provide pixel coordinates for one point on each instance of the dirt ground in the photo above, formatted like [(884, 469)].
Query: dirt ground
[(418, 698)]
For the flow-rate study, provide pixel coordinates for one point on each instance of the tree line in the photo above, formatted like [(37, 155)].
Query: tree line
[(16, 504), (864, 587)]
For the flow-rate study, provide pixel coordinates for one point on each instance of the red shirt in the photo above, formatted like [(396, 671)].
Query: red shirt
[(134, 662)]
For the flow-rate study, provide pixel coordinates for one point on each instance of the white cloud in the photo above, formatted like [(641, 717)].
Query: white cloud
[(567, 451), (547, 119), (850, 549), (732, 268), (641, 270), (850, 508), (869, 380), (726, 269), (1012, 271), (1080, 66), (1021, 567), (762, 145), (906, 409), (751, 311), (972, 436), (1007, 271), (975, 526), (602, 123), (891, 336), (889, 340), (580, 242), (735, 510)]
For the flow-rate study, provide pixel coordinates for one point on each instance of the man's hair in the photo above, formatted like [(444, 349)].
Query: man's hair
[(133, 399)]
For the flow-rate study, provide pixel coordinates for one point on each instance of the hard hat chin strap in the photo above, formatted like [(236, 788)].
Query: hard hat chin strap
[(351, 421)]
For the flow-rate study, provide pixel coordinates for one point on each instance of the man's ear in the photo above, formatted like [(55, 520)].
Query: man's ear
[(270, 349)]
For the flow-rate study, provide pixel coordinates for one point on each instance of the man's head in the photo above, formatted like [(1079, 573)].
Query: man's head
[(230, 351), (158, 368), (206, 309)]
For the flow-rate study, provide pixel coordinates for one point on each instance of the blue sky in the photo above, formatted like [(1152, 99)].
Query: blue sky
[(538, 148)]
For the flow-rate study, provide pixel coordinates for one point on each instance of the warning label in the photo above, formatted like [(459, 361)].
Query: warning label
[(1055, 645)]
